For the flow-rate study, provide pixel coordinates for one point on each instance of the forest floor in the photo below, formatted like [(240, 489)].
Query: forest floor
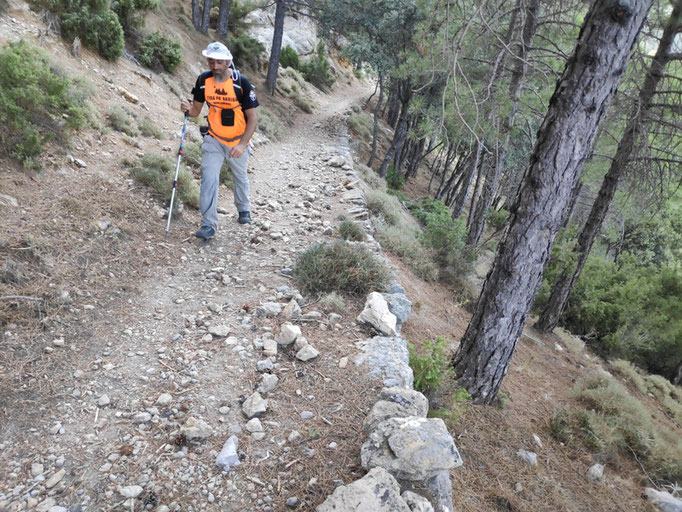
[(97, 381)]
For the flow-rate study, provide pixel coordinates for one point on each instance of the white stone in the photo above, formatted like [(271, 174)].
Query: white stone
[(307, 353), (269, 347), (596, 472), (288, 334), (130, 491), (219, 331), (377, 314), (55, 479), (164, 399), (195, 429), (254, 425)]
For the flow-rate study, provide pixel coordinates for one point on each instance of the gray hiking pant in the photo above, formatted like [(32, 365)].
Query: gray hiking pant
[(213, 154)]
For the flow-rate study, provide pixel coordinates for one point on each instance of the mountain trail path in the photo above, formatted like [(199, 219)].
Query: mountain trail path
[(149, 382)]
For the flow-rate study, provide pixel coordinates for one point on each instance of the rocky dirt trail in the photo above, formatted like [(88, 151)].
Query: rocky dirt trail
[(139, 414)]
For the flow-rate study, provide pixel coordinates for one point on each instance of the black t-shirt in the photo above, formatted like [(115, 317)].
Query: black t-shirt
[(247, 96)]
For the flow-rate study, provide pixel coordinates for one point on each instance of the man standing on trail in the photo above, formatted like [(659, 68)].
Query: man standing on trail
[(232, 120)]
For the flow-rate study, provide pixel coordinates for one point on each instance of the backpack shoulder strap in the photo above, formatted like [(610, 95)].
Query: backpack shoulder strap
[(237, 83)]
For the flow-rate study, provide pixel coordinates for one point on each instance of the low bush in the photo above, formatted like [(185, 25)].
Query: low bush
[(612, 421), (404, 244), (131, 12), (317, 70), (93, 22), (289, 58), (444, 235), (340, 267), (149, 129), (334, 303), (361, 125), (157, 171), (121, 120), (497, 219), (430, 364), (384, 206), (38, 103), (628, 371), (394, 179), (305, 104), (350, 230), (158, 51), (246, 50), (270, 125)]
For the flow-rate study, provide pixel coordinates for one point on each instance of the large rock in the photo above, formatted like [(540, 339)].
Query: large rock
[(377, 314), (288, 334), (411, 448), (437, 489), (195, 429), (663, 500), (400, 306), (300, 33), (254, 406), (417, 503), (377, 491), (388, 359), (396, 403)]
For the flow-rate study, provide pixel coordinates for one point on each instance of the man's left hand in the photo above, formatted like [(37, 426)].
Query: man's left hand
[(237, 151)]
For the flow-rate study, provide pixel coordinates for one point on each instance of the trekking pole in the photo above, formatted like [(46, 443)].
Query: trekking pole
[(175, 179)]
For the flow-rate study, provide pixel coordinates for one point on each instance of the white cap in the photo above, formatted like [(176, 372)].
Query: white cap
[(217, 51)]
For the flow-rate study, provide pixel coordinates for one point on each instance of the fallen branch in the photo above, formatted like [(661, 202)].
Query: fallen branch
[(20, 297)]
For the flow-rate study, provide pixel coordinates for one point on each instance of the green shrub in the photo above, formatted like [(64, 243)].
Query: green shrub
[(628, 371), (317, 70), (340, 267), (404, 244), (394, 180), (458, 405), (158, 51), (157, 171), (246, 50), (38, 103), (444, 235), (305, 104), (430, 364), (3, 6), (120, 120), (629, 312), (611, 421), (333, 302), (270, 125), (361, 125), (289, 58), (384, 206), (130, 14), (349, 230), (497, 219), (93, 22), (149, 129)]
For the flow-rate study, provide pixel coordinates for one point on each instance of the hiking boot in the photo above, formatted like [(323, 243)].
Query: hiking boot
[(244, 218), (205, 232)]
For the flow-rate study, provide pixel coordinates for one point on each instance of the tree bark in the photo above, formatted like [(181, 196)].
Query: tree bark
[(492, 181), (564, 142), (196, 14), (375, 127), (476, 197), (223, 18), (463, 190), (404, 92), (273, 64), (206, 16), (549, 318)]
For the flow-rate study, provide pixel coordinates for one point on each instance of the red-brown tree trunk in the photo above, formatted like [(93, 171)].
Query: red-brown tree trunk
[(564, 142)]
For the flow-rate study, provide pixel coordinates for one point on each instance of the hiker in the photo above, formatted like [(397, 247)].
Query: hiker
[(232, 120)]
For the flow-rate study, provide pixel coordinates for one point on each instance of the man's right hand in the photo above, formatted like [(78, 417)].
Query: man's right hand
[(185, 106)]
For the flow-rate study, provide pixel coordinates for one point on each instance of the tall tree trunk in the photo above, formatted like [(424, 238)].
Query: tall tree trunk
[(463, 189), (404, 91), (564, 142), (223, 18), (393, 105), (575, 194), (196, 14), (206, 16), (549, 318), (476, 197), (492, 181), (273, 64), (375, 127)]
